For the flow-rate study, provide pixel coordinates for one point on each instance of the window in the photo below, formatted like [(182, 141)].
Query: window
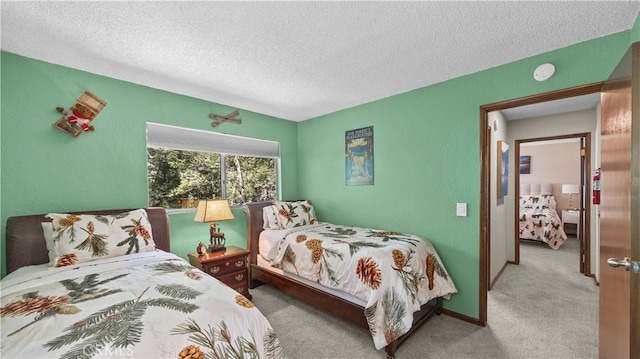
[(186, 165)]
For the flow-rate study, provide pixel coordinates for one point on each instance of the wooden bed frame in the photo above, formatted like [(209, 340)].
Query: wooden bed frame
[(316, 297), (26, 245)]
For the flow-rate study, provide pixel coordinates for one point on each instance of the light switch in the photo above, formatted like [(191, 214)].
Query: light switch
[(461, 209)]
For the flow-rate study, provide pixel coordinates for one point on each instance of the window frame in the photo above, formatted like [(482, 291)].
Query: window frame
[(161, 136)]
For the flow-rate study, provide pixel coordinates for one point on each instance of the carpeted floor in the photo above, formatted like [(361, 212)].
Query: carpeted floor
[(542, 308)]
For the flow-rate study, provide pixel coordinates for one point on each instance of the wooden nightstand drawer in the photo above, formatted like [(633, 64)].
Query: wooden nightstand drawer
[(232, 279), (229, 267), (223, 267), (241, 287)]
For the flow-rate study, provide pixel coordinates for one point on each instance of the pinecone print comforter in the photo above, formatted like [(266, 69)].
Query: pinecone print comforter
[(146, 305), (395, 273)]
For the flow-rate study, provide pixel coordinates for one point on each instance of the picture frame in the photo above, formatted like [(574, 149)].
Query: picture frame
[(359, 162), (525, 165), (502, 169)]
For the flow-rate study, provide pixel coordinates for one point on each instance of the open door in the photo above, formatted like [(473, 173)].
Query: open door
[(620, 211), (585, 267)]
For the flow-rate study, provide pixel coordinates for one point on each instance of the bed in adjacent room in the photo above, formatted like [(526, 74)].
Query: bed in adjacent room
[(104, 284), (538, 218), (388, 282)]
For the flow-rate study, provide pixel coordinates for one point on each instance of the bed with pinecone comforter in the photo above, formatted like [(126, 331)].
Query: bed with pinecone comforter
[(144, 303), (388, 282), (394, 273)]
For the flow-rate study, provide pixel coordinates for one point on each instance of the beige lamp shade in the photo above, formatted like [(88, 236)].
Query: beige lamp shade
[(211, 210)]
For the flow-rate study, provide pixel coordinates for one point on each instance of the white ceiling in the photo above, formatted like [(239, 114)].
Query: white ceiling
[(299, 60)]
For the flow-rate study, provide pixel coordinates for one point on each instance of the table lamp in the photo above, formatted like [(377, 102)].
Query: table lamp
[(571, 189), (211, 211)]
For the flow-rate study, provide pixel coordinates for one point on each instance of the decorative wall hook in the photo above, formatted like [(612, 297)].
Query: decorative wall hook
[(218, 119), (77, 118)]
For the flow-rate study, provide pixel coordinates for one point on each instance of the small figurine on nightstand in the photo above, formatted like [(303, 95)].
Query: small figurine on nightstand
[(202, 249), (217, 240)]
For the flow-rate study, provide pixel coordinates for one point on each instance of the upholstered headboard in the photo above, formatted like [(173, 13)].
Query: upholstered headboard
[(536, 188), (26, 245)]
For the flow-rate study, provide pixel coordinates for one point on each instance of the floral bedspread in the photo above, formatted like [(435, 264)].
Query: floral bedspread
[(147, 305), (394, 273), (542, 225)]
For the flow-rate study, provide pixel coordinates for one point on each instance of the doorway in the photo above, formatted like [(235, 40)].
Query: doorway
[(580, 161), (485, 180), (619, 321)]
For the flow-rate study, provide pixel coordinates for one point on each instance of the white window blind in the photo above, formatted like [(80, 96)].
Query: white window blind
[(181, 138)]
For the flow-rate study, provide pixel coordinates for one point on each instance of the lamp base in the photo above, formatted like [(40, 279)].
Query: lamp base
[(213, 248)]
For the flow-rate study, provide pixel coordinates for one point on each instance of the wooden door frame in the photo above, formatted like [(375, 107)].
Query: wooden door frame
[(485, 174), (585, 216), (635, 195)]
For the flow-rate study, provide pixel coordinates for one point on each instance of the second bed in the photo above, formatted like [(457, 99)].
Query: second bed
[(388, 282)]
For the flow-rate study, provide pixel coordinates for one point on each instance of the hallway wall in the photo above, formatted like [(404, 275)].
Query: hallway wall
[(556, 162), (501, 223)]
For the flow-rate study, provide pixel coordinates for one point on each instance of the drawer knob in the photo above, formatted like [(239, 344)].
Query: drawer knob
[(239, 277), (240, 290), (239, 264), (215, 270)]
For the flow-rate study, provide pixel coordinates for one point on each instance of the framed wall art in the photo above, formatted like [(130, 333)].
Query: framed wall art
[(358, 146), (503, 169), (525, 165)]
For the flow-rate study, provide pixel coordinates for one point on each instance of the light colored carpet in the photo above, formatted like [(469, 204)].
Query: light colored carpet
[(542, 308)]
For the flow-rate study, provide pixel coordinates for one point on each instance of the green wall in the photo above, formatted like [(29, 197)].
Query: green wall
[(44, 169), (427, 155), (635, 30)]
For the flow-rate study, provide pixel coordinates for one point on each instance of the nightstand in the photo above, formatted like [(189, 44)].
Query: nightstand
[(572, 217), (229, 266)]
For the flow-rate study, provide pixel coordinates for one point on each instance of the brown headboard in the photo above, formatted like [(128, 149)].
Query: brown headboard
[(254, 227), (26, 245)]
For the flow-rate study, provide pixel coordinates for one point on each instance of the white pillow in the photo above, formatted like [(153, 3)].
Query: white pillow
[(270, 217)]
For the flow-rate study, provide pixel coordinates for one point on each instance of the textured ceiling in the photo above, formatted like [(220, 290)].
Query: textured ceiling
[(299, 60)]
